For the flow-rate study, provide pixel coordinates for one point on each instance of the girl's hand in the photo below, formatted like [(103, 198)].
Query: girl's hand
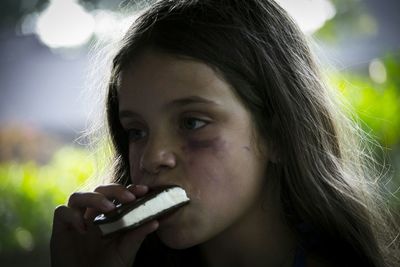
[(75, 241)]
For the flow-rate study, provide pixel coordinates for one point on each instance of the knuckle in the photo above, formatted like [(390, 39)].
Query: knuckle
[(59, 210), (72, 198), (104, 187), (108, 187), (100, 188), (64, 214), (76, 215)]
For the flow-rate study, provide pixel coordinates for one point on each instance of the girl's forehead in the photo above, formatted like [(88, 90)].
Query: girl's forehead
[(155, 81), (157, 65), (162, 73)]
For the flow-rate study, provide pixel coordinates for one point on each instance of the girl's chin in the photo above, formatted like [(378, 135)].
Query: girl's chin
[(176, 239)]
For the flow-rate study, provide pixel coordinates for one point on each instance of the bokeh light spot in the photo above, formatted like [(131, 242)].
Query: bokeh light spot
[(64, 23), (24, 238), (310, 15), (377, 71)]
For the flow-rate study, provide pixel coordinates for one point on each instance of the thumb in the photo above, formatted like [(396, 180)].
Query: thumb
[(131, 241)]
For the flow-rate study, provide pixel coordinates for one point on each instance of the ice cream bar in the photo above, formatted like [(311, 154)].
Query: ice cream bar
[(156, 203)]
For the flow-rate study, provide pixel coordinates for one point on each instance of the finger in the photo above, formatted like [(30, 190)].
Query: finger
[(90, 214), (66, 218), (111, 191), (138, 190), (116, 191), (84, 200)]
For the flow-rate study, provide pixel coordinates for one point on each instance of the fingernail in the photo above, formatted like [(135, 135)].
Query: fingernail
[(107, 204), (131, 186), (142, 187), (128, 195)]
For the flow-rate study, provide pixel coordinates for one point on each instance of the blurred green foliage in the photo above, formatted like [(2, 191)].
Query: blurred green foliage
[(376, 104), (29, 193)]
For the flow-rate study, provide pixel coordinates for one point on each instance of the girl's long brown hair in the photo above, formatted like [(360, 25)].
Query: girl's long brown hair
[(323, 175)]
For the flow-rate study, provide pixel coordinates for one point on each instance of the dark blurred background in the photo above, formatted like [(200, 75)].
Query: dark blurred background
[(45, 63)]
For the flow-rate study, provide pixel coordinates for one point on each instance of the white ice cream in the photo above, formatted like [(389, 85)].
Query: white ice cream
[(162, 201)]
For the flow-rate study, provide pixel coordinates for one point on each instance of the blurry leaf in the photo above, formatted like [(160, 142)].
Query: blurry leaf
[(29, 193)]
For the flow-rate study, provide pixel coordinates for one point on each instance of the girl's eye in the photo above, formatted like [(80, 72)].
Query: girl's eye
[(193, 123), (136, 134)]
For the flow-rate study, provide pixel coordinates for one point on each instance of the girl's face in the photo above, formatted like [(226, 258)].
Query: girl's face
[(186, 127)]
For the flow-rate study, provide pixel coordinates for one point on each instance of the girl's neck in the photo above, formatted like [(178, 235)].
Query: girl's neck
[(260, 238)]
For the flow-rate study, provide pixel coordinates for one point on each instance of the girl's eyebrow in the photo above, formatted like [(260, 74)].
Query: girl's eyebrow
[(176, 103), (180, 102)]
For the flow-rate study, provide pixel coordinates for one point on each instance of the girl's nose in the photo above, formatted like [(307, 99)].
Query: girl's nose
[(157, 156)]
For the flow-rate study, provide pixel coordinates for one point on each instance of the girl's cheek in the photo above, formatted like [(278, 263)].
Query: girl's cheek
[(204, 161), (134, 166)]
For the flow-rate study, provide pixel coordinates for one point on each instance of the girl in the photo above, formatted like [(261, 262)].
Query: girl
[(222, 98)]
